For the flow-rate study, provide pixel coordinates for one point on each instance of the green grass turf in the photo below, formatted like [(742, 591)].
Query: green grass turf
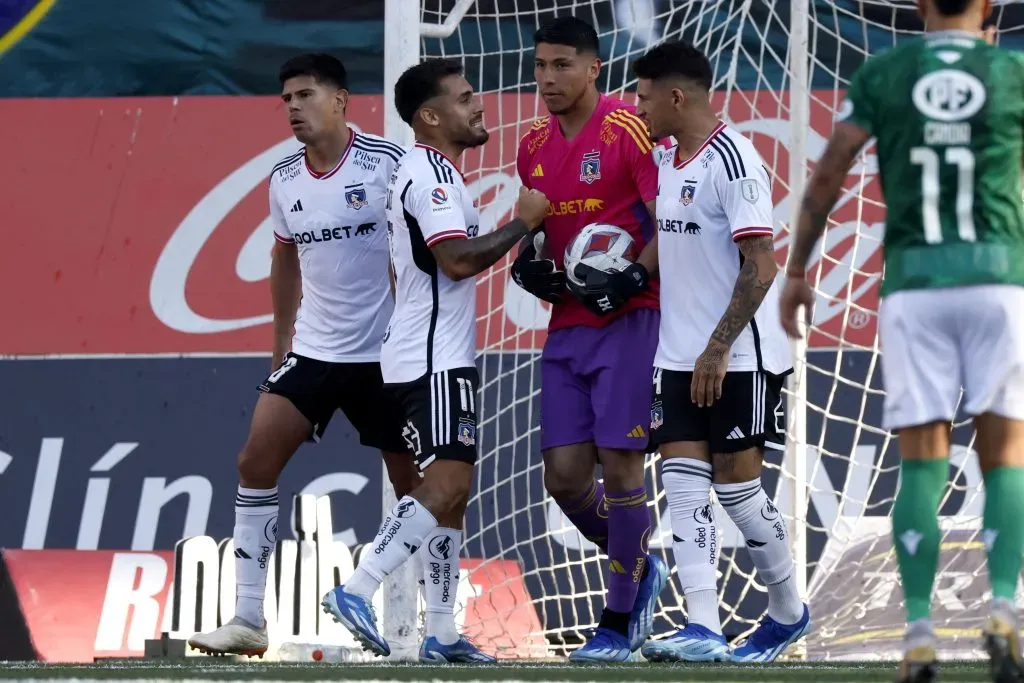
[(212, 669)]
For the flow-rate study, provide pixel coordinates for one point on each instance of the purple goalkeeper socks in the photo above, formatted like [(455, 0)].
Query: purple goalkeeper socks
[(589, 514), (630, 531)]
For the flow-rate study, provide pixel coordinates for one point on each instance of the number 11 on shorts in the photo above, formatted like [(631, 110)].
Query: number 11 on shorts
[(466, 401)]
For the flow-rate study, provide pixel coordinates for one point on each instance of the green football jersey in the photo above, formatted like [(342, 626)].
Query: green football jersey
[(947, 114)]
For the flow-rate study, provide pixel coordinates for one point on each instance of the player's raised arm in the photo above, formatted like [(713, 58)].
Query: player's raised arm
[(285, 281), (447, 118), (848, 137), (463, 258)]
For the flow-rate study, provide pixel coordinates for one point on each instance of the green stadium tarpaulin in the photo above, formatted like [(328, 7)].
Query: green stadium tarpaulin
[(78, 48)]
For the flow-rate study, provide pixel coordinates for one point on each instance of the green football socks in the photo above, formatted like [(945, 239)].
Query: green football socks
[(1004, 528), (915, 527)]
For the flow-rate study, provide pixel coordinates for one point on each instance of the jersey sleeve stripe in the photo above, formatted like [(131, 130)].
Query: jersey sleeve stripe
[(727, 160), (287, 161), (446, 235), (628, 118), (739, 157), (740, 233), (386, 151), (405, 191), (393, 151), (283, 240), (438, 174), (375, 141), (634, 127), (441, 169)]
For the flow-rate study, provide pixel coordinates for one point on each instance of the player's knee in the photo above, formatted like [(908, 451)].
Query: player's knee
[(457, 493), (623, 470), (998, 441), (562, 483), (569, 470), (257, 468), (449, 499), (737, 468), (445, 488)]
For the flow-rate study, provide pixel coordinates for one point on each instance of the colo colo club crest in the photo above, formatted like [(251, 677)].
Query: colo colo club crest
[(590, 168), (355, 195)]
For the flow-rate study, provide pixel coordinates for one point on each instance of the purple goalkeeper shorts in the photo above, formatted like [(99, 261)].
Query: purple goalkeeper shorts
[(596, 383)]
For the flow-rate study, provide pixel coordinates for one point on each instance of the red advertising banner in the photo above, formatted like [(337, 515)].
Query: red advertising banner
[(82, 604), (139, 225)]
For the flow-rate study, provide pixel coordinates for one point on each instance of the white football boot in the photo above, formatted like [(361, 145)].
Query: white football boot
[(236, 637)]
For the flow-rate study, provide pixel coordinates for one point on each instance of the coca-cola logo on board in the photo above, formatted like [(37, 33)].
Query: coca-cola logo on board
[(850, 269)]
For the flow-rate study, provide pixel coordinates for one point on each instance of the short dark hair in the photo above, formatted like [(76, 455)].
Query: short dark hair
[(324, 68), (569, 31), (420, 83), (674, 59), (951, 8)]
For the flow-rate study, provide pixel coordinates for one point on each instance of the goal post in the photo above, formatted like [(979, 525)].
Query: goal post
[(400, 592), (795, 463)]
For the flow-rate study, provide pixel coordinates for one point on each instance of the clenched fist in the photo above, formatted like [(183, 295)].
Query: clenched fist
[(533, 207)]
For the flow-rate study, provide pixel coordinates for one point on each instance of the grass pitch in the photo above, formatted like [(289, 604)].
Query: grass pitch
[(202, 669)]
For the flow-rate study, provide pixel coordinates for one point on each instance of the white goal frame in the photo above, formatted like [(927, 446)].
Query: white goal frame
[(403, 34)]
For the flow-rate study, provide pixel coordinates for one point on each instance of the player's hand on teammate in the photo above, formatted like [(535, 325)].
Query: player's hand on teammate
[(604, 293), (989, 35), (795, 292), (538, 276), (709, 373), (533, 207)]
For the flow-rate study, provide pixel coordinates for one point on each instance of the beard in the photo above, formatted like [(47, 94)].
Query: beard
[(474, 137), (557, 111)]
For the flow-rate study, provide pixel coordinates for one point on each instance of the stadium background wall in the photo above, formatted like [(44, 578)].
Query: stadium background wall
[(96, 48)]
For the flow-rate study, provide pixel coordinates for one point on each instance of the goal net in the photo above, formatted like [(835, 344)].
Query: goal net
[(835, 484)]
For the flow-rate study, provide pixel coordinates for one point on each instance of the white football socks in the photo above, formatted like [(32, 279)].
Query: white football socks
[(687, 485), (440, 559), (400, 535), (768, 544), (255, 538)]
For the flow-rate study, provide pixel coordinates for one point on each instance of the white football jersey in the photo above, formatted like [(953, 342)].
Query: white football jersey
[(705, 205), (433, 327), (336, 220)]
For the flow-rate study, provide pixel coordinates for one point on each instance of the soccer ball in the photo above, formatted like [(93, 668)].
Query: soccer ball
[(601, 246)]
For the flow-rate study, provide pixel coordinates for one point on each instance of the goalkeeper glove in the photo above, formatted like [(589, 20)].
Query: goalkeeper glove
[(603, 293), (539, 277)]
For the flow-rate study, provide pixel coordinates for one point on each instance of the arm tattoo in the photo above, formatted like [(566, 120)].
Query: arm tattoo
[(755, 279), (823, 189), (471, 256)]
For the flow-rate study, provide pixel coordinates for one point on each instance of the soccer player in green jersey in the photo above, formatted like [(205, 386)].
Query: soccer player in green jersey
[(947, 113)]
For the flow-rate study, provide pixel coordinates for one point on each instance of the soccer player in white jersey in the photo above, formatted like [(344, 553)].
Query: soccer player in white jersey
[(722, 356), (330, 252), (429, 352)]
